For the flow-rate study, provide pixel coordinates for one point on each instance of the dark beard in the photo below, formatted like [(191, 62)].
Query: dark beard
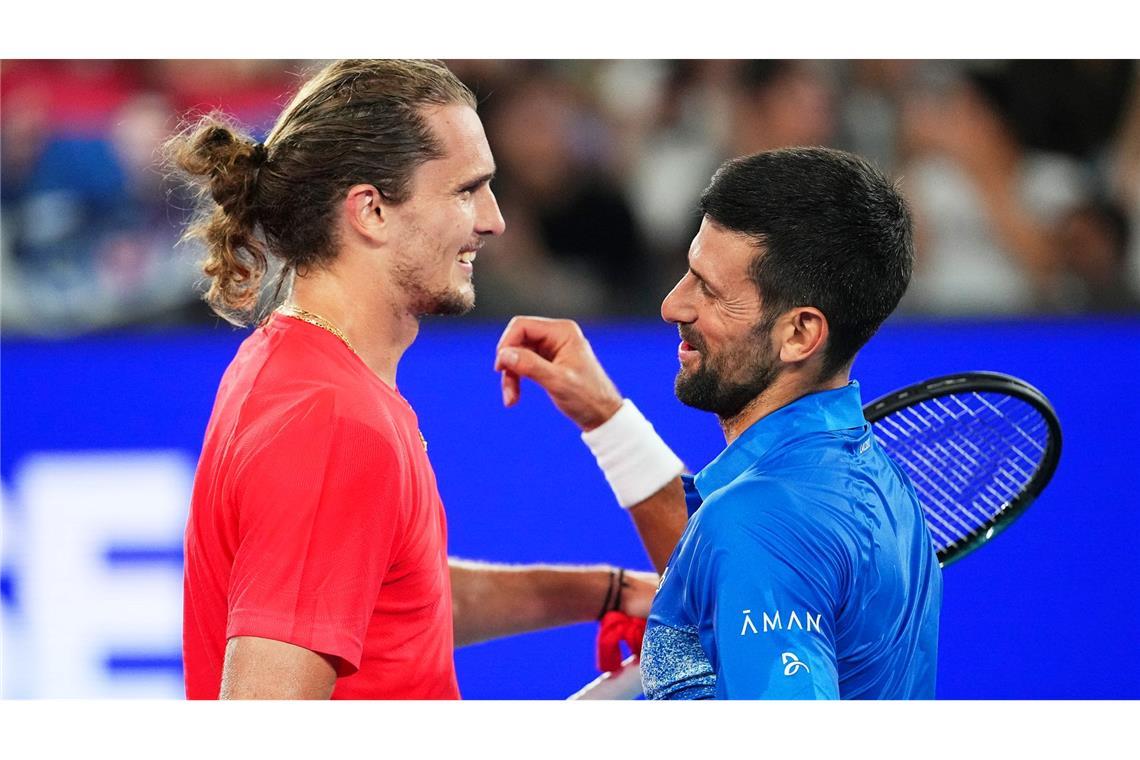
[(707, 390)]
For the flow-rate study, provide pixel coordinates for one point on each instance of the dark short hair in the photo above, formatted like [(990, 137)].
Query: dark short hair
[(831, 231)]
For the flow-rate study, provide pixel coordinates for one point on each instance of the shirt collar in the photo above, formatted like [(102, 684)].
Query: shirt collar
[(819, 412)]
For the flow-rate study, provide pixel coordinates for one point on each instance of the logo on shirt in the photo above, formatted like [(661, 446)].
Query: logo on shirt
[(747, 623), (778, 622), (792, 664)]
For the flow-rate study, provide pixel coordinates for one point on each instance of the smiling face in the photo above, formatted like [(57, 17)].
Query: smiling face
[(726, 352), (449, 213)]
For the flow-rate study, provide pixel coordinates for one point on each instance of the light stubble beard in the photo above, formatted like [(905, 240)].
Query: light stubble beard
[(424, 302), (409, 275)]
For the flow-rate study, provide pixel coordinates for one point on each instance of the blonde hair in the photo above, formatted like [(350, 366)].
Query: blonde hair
[(353, 122)]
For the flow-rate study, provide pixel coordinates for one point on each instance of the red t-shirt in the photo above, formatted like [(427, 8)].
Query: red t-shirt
[(316, 520)]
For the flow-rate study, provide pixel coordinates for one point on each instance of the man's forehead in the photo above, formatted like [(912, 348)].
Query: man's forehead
[(719, 252), (461, 135)]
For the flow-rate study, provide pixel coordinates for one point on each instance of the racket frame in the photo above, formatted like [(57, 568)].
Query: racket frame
[(982, 382)]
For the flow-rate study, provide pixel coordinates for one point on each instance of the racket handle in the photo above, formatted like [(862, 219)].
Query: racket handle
[(620, 684)]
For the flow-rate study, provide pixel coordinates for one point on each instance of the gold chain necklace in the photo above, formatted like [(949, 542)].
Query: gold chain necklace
[(318, 321)]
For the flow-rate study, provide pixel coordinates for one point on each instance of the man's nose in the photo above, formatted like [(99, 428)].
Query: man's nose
[(677, 306), (490, 221)]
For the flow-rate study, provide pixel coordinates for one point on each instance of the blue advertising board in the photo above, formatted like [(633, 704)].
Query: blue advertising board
[(99, 437)]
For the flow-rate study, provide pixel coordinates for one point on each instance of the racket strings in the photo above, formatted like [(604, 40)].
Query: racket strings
[(969, 456)]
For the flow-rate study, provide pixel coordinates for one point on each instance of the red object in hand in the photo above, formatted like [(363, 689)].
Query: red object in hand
[(615, 628)]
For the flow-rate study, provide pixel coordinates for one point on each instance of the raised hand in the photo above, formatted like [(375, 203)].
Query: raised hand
[(555, 354)]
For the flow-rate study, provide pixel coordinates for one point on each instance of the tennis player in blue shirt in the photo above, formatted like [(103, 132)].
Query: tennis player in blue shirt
[(796, 564)]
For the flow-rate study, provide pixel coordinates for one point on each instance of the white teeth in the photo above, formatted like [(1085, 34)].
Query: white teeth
[(467, 257)]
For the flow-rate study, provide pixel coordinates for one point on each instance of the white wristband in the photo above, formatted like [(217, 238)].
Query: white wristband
[(634, 459)]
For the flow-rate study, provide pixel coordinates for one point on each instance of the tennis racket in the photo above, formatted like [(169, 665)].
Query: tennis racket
[(979, 448)]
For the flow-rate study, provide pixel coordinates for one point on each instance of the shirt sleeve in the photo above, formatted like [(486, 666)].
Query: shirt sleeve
[(318, 514), (765, 588)]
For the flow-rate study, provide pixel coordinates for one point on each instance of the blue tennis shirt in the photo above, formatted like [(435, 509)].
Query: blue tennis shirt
[(805, 570)]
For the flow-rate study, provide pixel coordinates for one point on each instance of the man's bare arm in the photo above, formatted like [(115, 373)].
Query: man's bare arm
[(492, 601), (257, 668), (660, 521), (555, 354)]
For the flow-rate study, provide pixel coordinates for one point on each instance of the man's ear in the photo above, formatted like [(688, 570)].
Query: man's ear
[(801, 333), (366, 212)]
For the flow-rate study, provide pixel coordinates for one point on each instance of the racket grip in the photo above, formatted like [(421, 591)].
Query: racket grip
[(620, 684)]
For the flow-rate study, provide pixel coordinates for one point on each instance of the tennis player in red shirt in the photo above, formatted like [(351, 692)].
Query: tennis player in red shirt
[(316, 546)]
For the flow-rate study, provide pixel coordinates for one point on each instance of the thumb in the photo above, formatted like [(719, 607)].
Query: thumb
[(526, 363)]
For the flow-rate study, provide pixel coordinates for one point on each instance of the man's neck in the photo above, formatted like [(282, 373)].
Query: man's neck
[(378, 329), (788, 387)]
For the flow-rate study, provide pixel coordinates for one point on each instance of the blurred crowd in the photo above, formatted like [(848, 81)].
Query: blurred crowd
[(1024, 177)]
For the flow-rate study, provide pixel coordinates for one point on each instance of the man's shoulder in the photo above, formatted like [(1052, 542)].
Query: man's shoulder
[(278, 379), (284, 363), (752, 490), (310, 408), (765, 508), (751, 499), (758, 492)]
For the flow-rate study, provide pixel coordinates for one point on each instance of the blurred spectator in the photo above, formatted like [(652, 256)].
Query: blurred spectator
[(780, 104), (572, 246), (1093, 240), (683, 138), (76, 97), (713, 110), (984, 204), (1024, 176), (250, 90), (872, 97), (89, 235), (1061, 106), (1123, 175)]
